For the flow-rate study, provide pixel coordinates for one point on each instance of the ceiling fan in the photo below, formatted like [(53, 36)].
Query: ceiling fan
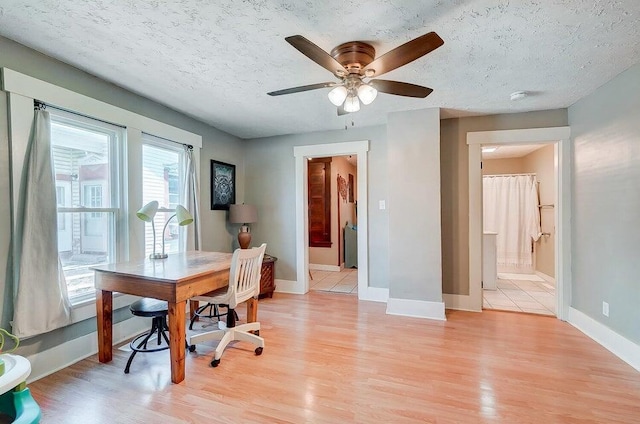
[(355, 61)]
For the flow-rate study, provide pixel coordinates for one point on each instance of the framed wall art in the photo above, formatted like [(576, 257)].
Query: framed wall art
[(223, 185)]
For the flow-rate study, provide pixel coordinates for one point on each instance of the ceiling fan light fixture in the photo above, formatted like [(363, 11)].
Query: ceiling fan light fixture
[(367, 93), (338, 94), (352, 104)]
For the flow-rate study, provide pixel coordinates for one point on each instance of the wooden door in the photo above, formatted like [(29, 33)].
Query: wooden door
[(319, 185)]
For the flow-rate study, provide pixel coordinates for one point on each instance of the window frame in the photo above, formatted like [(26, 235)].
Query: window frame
[(117, 232), (161, 143), (21, 90)]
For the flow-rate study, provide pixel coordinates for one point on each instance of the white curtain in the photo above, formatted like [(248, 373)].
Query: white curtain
[(41, 303), (510, 206), (190, 200)]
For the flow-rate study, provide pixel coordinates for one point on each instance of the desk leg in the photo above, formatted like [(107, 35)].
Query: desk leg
[(177, 340), (252, 310), (104, 314)]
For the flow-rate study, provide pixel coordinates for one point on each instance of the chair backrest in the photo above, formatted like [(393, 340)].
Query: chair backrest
[(244, 277)]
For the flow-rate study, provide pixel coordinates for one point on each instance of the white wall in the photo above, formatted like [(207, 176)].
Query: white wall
[(606, 202)]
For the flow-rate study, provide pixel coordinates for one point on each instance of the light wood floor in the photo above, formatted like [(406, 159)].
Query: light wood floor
[(331, 359)]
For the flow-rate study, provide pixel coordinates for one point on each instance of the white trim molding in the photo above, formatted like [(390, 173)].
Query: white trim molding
[(545, 277), (63, 355), (374, 294), (25, 85), (416, 308), (620, 346), (323, 267), (461, 302), (289, 286), (87, 309), (302, 154), (562, 162)]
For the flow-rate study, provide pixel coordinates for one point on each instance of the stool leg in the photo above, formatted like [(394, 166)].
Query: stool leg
[(154, 327)]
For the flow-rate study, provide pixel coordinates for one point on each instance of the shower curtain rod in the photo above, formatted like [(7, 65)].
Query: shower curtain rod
[(511, 175)]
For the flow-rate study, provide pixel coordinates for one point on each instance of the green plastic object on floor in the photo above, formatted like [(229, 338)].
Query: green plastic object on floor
[(16, 404), (20, 407)]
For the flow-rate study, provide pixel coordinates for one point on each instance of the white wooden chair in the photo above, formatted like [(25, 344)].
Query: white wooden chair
[(244, 283)]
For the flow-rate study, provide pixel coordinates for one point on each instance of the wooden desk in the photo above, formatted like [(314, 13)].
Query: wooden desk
[(175, 279)]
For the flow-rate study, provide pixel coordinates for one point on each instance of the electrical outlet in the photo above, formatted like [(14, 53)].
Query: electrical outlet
[(382, 205), (605, 309)]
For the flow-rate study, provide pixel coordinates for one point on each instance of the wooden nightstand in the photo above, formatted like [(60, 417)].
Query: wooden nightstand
[(268, 275)]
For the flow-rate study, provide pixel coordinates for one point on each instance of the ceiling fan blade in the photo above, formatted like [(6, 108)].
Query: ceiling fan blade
[(302, 88), (400, 88), (316, 54), (404, 54)]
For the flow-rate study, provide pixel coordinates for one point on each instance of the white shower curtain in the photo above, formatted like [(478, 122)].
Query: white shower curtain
[(510, 207)]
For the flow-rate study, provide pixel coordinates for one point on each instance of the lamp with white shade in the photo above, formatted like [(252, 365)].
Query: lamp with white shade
[(243, 214), (148, 212), (351, 93)]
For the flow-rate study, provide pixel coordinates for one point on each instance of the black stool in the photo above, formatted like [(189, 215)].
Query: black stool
[(214, 312), (158, 310)]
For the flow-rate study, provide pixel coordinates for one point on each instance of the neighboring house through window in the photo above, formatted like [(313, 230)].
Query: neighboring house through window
[(86, 164), (163, 165)]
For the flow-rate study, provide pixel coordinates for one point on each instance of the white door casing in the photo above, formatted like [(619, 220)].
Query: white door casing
[(559, 135)]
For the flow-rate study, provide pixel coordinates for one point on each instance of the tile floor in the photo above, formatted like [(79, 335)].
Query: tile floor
[(345, 281), (538, 297)]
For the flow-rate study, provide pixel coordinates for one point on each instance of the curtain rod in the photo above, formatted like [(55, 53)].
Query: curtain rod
[(40, 105), (511, 175)]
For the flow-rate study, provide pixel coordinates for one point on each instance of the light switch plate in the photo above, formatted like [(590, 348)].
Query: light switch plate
[(382, 204)]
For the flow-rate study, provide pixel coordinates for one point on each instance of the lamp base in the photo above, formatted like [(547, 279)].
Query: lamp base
[(244, 237), (158, 256)]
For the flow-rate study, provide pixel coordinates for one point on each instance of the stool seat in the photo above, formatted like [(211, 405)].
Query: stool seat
[(150, 308)]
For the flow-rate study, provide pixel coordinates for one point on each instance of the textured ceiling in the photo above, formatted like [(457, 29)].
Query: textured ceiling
[(216, 60), (511, 151)]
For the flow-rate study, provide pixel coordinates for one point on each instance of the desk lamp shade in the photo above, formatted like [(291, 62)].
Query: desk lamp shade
[(148, 212), (183, 216), (243, 214)]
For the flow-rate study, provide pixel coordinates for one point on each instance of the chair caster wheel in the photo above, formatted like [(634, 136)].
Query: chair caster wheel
[(192, 348), (258, 351), (215, 363), (257, 332)]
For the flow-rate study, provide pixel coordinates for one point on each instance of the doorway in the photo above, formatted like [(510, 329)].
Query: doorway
[(333, 224), (302, 154), (518, 240), (562, 209)]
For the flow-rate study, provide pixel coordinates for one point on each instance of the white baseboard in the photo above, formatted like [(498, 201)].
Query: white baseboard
[(416, 308), (546, 277), (323, 267), (63, 355), (620, 346), (289, 286), (460, 302), (373, 294)]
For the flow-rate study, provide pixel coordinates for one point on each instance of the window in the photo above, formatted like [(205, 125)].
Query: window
[(86, 166), (60, 202), (163, 168)]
